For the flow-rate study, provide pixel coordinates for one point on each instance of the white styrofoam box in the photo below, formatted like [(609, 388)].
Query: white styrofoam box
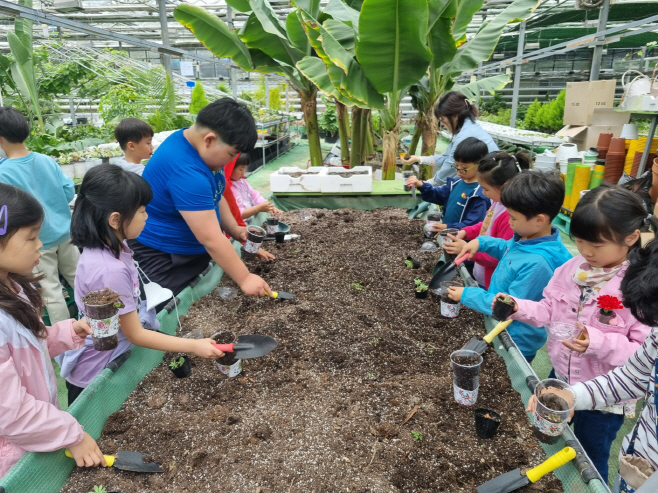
[(309, 181), (650, 103), (333, 182)]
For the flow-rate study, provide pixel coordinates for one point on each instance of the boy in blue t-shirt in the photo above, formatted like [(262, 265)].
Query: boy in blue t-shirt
[(529, 259), (40, 176), (465, 203)]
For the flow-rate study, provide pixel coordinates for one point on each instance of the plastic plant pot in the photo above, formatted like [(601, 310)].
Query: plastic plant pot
[(562, 331), (486, 422), (228, 364), (422, 294), (226, 292), (272, 225), (405, 177), (449, 308), (102, 312), (427, 230), (255, 237), (503, 308), (466, 368), (182, 370), (555, 401), (232, 370), (415, 264), (280, 236), (428, 247), (432, 218), (443, 235)]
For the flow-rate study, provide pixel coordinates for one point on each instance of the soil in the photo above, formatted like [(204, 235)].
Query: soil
[(100, 305), (360, 365), (225, 338), (554, 402), (349, 174), (466, 378), (502, 309)]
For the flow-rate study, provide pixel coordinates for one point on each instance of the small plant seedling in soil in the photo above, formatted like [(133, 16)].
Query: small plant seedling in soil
[(375, 340), (358, 285), (421, 286), (503, 308), (418, 436), (409, 264), (177, 363), (99, 489)]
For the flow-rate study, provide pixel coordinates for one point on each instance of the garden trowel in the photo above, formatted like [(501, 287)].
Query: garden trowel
[(249, 346), (481, 346), (446, 272), (513, 480), (128, 461), (281, 295)]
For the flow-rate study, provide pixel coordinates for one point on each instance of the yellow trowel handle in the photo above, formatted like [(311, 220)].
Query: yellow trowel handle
[(497, 330), (551, 464), (109, 459), (274, 294)]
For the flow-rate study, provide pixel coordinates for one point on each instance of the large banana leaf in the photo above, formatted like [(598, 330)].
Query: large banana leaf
[(342, 33), (254, 35), (268, 19), (465, 12), (296, 33), (23, 27), (310, 6), (316, 71), (340, 11), (489, 84), (22, 72), (482, 45), (392, 47), (440, 8), (5, 71), (239, 5), (441, 42), (214, 34)]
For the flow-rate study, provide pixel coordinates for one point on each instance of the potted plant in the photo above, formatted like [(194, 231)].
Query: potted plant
[(66, 166), (607, 304), (181, 367), (412, 263), (328, 122), (503, 307), (421, 289)]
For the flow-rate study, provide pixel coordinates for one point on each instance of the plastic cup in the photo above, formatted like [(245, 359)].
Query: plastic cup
[(466, 382), (443, 235), (272, 225), (432, 218), (562, 331), (428, 247), (405, 177), (486, 422), (555, 401), (226, 292), (255, 237)]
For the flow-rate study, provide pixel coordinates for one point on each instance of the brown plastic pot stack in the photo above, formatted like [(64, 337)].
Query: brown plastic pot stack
[(654, 182), (614, 160), (603, 144), (636, 163)]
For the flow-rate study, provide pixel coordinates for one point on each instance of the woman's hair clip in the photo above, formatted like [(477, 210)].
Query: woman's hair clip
[(467, 102)]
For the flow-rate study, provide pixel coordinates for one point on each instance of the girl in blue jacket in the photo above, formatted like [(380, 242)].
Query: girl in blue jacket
[(463, 198)]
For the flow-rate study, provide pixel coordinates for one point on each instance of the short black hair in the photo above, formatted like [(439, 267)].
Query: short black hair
[(106, 189), (533, 192), (470, 150), (243, 159), (132, 130), (639, 286), (231, 121), (13, 125)]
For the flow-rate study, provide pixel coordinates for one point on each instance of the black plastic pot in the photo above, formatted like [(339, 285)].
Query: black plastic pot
[(280, 236), (502, 310), (416, 263), (486, 422), (422, 294), (183, 371), (331, 139), (272, 225)]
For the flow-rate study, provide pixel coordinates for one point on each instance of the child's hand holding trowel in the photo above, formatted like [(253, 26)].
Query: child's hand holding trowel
[(470, 248)]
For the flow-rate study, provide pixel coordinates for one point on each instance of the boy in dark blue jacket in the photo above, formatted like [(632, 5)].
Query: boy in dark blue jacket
[(465, 203)]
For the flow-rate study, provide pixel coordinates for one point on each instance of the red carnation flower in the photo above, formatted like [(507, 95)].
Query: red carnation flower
[(608, 303)]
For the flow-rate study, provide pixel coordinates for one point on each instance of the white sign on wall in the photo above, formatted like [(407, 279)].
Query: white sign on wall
[(187, 69)]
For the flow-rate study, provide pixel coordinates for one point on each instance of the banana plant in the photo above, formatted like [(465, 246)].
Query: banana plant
[(264, 44)]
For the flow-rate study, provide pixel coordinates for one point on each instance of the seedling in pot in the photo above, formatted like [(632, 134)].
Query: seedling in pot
[(486, 422), (412, 263), (503, 307), (181, 367), (421, 289), (99, 489)]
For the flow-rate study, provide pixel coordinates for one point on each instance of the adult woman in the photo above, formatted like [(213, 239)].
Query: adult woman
[(457, 113)]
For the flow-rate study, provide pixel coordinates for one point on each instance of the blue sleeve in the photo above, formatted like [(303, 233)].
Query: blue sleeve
[(190, 189), (67, 184), (474, 214), (435, 195), (478, 299), (494, 247)]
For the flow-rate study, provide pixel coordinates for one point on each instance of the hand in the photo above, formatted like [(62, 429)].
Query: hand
[(239, 233), (205, 349), (455, 293), (455, 247), (86, 453), (532, 405), (471, 248), (436, 227), (81, 327), (253, 285), (264, 255), (503, 295), (462, 234), (412, 181), (581, 344), (264, 207), (273, 210), (410, 159)]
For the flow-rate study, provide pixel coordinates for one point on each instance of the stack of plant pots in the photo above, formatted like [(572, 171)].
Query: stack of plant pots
[(614, 160), (604, 144)]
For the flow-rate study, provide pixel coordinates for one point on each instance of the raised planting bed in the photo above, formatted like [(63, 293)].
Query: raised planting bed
[(358, 396)]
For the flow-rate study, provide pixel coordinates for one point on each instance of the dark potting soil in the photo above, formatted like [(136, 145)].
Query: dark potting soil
[(502, 309), (349, 174), (464, 377), (100, 305), (324, 411), (103, 297), (554, 402), (226, 338)]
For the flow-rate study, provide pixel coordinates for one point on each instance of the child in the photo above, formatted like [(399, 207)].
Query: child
[(463, 198), (30, 418), (135, 138), (637, 378), (110, 210), (606, 225), (494, 170), (42, 177), (527, 261), (249, 200)]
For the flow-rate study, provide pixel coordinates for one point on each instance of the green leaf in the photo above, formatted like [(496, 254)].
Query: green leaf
[(316, 71), (214, 34), (437, 8), (255, 36), (341, 32), (23, 27), (340, 11), (355, 4), (22, 72), (392, 43), (239, 5), (441, 42), (268, 19), (465, 12), (310, 6), (296, 33), (489, 84), (482, 45)]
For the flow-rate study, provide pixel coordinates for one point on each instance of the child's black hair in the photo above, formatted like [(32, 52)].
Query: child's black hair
[(132, 130), (106, 189), (23, 211), (532, 193), (13, 125), (243, 159), (498, 167), (609, 213), (231, 121), (470, 150), (455, 103), (639, 287)]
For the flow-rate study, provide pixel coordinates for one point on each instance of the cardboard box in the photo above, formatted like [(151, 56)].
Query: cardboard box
[(603, 120), (583, 98)]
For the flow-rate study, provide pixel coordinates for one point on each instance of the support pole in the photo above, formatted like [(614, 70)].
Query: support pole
[(598, 46), (166, 59), (647, 148), (231, 71), (517, 75), (74, 120), (267, 91)]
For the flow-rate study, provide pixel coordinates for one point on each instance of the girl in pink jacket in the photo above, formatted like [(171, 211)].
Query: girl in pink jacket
[(30, 418), (494, 170), (586, 291)]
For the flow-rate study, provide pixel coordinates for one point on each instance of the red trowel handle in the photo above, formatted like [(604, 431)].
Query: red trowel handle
[(225, 348), (461, 259)]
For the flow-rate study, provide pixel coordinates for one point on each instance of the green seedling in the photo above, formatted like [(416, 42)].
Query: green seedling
[(418, 436), (409, 264), (431, 351), (358, 285), (177, 363), (375, 340), (296, 250), (421, 286), (99, 489), (372, 376)]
